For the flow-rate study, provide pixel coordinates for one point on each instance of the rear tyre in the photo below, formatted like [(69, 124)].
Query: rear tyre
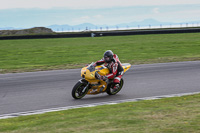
[(110, 90), (77, 91)]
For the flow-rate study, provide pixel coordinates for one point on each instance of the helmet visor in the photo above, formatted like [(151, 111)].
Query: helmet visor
[(107, 59)]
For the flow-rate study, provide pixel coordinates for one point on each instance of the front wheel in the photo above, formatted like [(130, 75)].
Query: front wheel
[(111, 91), (80, 90)]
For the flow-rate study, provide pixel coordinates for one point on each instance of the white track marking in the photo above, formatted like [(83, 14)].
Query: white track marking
[(5, 116)]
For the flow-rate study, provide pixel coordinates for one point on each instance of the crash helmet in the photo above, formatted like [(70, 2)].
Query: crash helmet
[(108, 56)]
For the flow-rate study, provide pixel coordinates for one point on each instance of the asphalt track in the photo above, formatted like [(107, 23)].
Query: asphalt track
[(22, 92)]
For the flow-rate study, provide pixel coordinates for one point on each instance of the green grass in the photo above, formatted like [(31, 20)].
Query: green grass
[(47, 54), (169, 115)]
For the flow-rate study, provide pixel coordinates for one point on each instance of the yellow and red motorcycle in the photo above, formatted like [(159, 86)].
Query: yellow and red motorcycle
[(91, 82)]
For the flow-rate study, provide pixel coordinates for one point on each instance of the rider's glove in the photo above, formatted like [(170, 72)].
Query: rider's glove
[(94, 64), (104, 78)]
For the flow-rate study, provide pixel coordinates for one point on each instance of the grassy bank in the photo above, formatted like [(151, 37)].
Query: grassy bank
[(47, 54), (170, 115)]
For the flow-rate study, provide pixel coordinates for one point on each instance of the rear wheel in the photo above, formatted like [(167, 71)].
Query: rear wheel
[(79, 90), (111, 91)]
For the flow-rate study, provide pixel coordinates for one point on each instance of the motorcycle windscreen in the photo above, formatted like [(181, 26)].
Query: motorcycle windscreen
[(126, 66)]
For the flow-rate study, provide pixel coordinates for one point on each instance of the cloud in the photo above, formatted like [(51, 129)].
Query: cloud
[(156, 10), (108, 16), (88, 4), (85, 18), (173, 15), (98, 16), (187, 15)]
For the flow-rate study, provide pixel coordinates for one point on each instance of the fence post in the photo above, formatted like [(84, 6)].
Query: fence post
[(127, 27), (107, 28)]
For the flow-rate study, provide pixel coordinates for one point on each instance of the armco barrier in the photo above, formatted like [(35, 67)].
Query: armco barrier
[(45, 36), (107, 33), (143, 32)]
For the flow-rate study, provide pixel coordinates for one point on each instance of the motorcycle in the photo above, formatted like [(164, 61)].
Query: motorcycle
[(92, 84)]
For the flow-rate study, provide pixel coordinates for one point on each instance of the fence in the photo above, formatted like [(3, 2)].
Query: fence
[(107, 33), (126, 27)]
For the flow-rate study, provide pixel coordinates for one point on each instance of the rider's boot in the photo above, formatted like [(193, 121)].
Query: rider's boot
[(116, 87)]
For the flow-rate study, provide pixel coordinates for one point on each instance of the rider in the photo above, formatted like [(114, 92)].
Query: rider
[(112, 62)]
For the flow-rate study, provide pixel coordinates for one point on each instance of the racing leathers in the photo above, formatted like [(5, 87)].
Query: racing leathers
[(115, 68)]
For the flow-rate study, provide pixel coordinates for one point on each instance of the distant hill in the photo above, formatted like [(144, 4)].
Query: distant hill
[(89, 26), (81, 27), (36, 30)]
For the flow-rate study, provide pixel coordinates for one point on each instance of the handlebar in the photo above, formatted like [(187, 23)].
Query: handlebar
[(97, 75)]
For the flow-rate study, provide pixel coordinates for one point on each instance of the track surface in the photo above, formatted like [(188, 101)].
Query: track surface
[(30, 91)]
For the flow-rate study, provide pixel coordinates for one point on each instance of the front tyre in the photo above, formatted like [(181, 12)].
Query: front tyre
[(79, 90), (111, 91)]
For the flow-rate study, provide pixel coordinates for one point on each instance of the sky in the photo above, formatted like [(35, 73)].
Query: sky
[(34, 13)]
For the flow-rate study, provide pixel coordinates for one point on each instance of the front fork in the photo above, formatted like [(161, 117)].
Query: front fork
[(84, 81), (85, 87)]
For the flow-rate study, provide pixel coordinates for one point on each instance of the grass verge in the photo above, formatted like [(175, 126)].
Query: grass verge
[(49, 54), (169, 115)]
